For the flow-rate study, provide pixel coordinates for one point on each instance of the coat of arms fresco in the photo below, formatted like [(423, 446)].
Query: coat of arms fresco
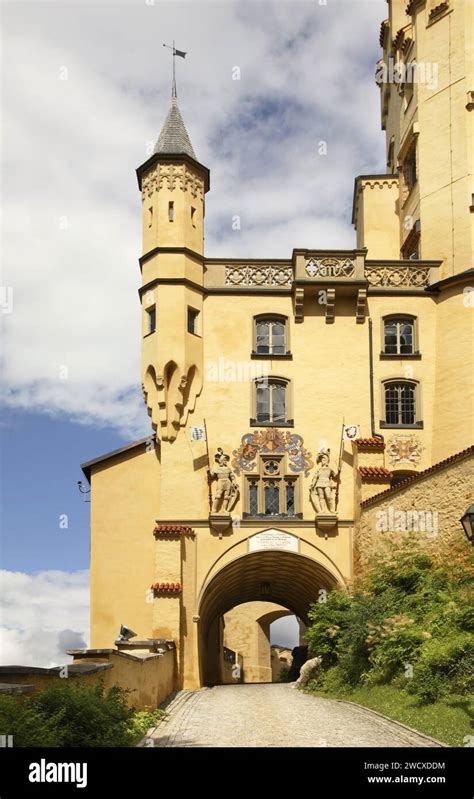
[(272, 440)]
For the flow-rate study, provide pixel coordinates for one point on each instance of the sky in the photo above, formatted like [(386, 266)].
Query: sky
[(85, 90)]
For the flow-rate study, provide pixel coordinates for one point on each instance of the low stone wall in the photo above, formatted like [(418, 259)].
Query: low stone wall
[(149, 676)]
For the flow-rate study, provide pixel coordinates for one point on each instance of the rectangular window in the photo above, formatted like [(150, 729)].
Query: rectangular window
[(400, 407), (151, 319), (193, 321), (150, 216), (271, 402), (171, 211), (270, 337), (399, 337), (290, 498), (253, 498), (193, 216)]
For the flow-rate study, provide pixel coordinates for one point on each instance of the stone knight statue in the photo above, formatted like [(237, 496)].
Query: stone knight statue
[(320, 490), (227, 486)]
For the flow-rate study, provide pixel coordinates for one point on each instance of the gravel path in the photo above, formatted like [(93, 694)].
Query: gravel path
[(274, 715)]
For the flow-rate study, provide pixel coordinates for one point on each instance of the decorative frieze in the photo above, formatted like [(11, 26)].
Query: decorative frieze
[(255, 275), (330, 267), (172, 176), (398, 276)]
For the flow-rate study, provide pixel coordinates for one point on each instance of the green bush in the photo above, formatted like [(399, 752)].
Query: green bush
[(284, 674), (90, 716), (69, 713), (27, 724), (444, 667), (142, 721), (408, 622)]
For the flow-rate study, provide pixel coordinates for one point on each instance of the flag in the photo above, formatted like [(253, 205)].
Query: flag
[(179, 52), (197, 433), (351, 432)]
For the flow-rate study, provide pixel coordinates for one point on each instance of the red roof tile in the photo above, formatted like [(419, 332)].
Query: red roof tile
[(370, 443), (374, 472), (172, 529), (166, 588)]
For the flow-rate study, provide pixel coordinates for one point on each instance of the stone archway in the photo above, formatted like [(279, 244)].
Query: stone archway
[(288, 579)]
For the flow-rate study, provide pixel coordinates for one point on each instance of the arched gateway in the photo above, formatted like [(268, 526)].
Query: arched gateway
[(286, 578)]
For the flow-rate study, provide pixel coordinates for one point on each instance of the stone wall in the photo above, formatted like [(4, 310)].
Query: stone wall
[(150, 677), (429, 507)]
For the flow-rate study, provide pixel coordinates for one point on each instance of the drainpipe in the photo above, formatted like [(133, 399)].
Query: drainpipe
[(371, 362)]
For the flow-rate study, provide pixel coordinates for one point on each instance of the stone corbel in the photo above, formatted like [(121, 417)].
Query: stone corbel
[(361, 305), (330, 304), (298, 304), (220, 522), (325, 522)]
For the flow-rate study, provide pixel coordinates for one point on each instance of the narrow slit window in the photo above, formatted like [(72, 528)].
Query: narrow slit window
[(193, 216), (171, 211), (151, 320), (193, 316)]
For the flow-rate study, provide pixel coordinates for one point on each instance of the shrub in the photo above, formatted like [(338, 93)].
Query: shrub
[(142, 721), (411, 609), (284, 674), (445, 666), (90, 716), (27, 724)]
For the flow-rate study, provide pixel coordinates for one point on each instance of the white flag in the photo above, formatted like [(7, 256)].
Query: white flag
[(351, 432), (197, 433)]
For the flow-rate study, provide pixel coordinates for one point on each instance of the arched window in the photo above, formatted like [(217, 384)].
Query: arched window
[(399, 334), (401, 402), (270, 335), (271, 401)]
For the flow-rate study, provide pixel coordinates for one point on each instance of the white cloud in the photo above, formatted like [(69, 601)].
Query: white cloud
[(43, 615), (71, 229)]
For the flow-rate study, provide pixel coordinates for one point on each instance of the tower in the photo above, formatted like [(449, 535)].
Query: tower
[(423, 207), (173, 185)]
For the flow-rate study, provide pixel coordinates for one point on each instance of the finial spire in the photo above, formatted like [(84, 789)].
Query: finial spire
[(182, 54)]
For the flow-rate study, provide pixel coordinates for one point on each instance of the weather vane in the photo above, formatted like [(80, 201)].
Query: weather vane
[(179, 53)]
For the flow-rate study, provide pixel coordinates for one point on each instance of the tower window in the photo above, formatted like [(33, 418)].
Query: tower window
[(171, 211), (193, 316), (150, 216), (271, 402), (399, 336), (193, 216), (401, 404), (270, 335), (151, 319)]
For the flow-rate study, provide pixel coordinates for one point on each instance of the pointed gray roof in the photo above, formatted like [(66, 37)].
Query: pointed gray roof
[(174, 139)]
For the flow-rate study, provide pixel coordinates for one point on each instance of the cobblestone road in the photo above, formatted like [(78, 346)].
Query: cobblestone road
[(274, 715)]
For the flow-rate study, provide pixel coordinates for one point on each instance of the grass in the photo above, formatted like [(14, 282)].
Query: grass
[(448, 720)]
